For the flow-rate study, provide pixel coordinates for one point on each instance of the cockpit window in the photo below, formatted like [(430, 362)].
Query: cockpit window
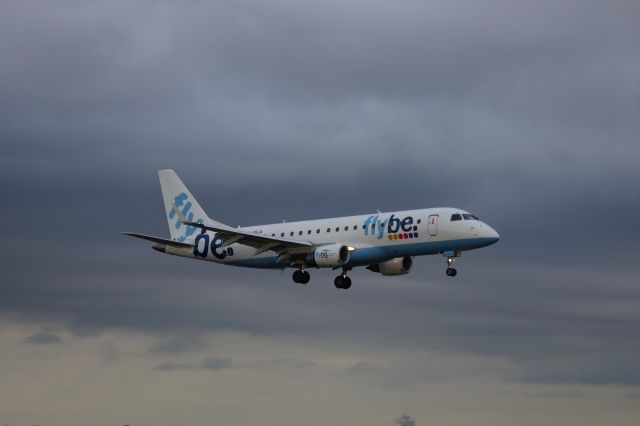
[(455, 217), (468, 216)]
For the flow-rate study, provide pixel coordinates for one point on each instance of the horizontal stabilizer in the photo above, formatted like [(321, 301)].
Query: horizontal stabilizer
[(157, 239)]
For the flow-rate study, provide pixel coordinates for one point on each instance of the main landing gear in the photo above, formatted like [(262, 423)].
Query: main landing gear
[(301, 276), (342, 281)]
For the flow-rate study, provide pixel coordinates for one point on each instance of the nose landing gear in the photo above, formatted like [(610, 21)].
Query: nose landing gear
[(301, 276), (451, 257)]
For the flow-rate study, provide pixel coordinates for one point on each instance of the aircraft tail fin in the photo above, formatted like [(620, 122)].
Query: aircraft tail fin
[(180, 204)]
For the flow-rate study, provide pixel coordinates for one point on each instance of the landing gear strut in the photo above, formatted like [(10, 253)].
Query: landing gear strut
[(342, 281), (301, 276)]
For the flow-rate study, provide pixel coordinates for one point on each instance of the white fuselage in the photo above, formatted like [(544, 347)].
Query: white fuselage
[(372, 238)]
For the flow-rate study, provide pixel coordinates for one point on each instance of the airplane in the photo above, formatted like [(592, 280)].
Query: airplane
[(384, 243)]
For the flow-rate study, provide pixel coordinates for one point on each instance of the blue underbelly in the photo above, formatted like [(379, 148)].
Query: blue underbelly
[(370, 255)]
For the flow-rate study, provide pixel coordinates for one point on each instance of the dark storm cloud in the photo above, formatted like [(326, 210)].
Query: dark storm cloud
[(43, 338), (525, 114)]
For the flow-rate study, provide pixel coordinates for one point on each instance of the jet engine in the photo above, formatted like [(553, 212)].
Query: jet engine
[(333, 255), (396, 266)]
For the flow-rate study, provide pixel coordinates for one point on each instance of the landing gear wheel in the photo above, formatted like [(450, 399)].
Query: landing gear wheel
[(347, 283), (342, 281), (451, 272), (305, 277), (298, 276)]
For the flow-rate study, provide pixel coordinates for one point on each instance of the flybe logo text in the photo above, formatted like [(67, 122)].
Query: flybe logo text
[(182, 201), (396, 228)]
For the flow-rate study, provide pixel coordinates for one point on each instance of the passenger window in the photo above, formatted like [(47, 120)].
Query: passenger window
[(282, 234), (309, 231), (337, 228), (300, 233), (346, 228), (355, 227), (317, 231), (419, 220), (291, 234), (273, 235), (455, 217), (328, 229)]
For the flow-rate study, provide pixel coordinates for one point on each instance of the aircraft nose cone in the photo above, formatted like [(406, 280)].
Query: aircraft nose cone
[(486, 233), (491, 234)]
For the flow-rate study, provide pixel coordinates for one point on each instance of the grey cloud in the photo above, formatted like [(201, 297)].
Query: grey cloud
[(43, 338), (223, 363), (556, 394), (595, 368), (208, 363), (405, 420), (181, 343), (362, 367), (172, 366), (397, 372), (294, 363), (216, 363)]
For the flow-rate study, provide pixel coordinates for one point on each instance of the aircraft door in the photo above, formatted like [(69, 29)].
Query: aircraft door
[(432, 225)]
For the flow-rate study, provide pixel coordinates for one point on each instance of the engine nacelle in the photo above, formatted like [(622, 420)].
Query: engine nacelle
[(332, 255), (396, 266)]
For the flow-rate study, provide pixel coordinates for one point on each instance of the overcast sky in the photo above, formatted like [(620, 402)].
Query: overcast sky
[(524, 113)]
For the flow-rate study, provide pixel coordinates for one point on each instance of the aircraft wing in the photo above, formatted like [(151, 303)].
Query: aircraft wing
[(260, 242), (284, 246)]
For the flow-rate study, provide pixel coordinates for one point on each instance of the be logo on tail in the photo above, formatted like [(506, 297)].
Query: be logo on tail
[(201, 247)]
